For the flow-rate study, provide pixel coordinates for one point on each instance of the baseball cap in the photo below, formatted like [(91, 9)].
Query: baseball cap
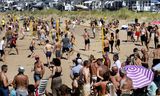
[(21, 69)]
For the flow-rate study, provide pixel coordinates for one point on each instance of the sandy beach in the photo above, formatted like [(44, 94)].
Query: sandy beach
[(14, 61)]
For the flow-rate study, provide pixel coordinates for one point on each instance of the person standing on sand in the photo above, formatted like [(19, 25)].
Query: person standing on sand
[(144, 35), (57, 49), (38, 71), (156, 36), (126, 84), (116, 61), (111, 42), (93, 26), (156, 55), (86, 39), (85, 77), (20, 83), (101, 69), (106, 45), (145, 58), (32, 47), (13, 43), (138, 31), (66, 44), (117, 40), (2, 49), (4, 90), (48, 51), (56, 81)]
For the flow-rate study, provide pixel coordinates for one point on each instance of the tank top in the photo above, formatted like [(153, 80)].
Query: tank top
[(57, 74)]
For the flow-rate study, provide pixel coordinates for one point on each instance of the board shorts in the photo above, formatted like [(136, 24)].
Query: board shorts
[(31, 48), (2, 52), (48, 54), (143, 38), (12, 46), (58, 53), (87, 41), (37, 77), (137, 34), (129, 33), (65, 49), (118, 42), (106, 49)]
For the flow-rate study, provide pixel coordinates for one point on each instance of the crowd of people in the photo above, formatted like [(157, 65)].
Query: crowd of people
[(92, 77)]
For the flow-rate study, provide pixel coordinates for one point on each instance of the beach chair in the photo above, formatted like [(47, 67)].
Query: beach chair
[(42, 87)]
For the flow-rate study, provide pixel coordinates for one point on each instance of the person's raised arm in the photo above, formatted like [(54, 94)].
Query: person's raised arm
[(98, 74)]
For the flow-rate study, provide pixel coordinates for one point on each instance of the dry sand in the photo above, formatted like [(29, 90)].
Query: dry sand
[(14, 61)]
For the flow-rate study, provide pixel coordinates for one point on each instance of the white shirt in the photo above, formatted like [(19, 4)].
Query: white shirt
[(117, 63), (2, 45)]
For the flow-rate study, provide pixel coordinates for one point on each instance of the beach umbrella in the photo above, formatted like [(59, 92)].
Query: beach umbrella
[(141, 77), (155, 22)]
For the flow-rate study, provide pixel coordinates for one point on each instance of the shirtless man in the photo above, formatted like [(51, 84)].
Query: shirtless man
[(101, 69), (32, 47), (21, 82), (115, 77), (13, 44), (93, 27), (48, 51), (145, 58), (126, 84), (106, 45), (85, 76), (93, 69), (138, 31), (38, 71), (57, 49), (4, 91), (87, 40), (156, 56)]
